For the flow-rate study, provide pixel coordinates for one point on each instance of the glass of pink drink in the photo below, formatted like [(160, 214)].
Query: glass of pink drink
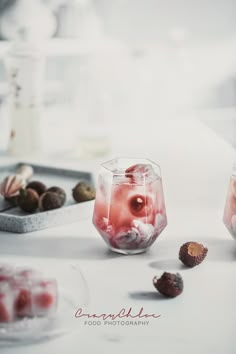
[(230, 206), (129, 211)]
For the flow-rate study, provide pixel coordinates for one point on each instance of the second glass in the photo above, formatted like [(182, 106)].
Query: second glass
[(129, 211), (229, 217)]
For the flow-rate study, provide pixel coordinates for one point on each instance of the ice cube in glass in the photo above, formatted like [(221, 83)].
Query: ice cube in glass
[(44, 297), (21, 288), (6, 303)]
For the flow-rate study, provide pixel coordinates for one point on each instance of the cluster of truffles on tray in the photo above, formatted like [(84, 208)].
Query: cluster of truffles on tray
[(25, 292), (35, 195)]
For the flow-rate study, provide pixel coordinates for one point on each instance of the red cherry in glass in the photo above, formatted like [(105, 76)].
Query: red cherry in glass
[(137, 204)]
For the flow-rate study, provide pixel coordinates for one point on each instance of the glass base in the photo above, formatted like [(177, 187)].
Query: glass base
[(229, 228), (129, 252)]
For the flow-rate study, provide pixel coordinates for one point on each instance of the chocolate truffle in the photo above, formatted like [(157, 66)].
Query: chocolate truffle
[(169, 284), (83, 192), (28, 200), (38, 186), (192, 253), (50, 201), (60, 192)]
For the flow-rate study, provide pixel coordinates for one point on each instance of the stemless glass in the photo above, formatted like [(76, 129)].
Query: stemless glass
[(229, 217), (129, 210)]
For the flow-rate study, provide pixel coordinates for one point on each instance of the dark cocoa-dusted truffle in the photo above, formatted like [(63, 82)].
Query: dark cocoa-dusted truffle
[(192, 253), (28, 200), (49, 201), (38, 186), (60, 192), (83, 192), (169, 284)]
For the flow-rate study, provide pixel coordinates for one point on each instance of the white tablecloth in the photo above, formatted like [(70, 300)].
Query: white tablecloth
[(196, 165)]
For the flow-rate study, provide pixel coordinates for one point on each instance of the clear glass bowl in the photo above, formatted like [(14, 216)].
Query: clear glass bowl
[(129, 210), (72, 294)]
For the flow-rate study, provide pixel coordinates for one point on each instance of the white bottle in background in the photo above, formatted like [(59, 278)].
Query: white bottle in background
[(94, 108), (25, 64)]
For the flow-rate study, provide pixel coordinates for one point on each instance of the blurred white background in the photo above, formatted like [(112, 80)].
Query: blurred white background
[(113, 62)]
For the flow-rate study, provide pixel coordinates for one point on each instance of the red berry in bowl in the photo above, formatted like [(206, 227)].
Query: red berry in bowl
[(23, 303), (44, 297), (6, 302), (44, 300), (4, 314)]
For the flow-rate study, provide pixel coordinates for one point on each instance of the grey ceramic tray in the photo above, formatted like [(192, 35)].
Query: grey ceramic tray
[(17, 221)]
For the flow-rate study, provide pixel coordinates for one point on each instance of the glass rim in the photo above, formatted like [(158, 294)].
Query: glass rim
[(103, 165)]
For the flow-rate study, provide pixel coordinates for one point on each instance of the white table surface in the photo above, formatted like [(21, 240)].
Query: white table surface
[(196, 165)]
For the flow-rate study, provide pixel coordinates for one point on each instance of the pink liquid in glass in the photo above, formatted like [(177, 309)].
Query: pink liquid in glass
[(129, 210)]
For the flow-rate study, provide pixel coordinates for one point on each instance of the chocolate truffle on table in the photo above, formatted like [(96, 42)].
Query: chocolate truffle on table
[(49, 201), (38, 186), (28, 200), (60, 192), (169, 284), (83, 192), (192, 253)]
